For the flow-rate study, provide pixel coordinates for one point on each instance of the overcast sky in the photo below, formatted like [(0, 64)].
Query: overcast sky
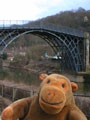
[(35, 9)]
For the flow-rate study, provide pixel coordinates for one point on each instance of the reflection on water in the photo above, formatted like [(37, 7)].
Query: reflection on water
[(20, 76), (31, 78)]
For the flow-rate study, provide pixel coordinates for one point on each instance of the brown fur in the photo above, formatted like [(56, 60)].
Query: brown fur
[(54, 101)]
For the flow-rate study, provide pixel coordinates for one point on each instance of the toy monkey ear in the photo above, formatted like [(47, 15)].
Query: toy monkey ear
[(43, 76), (74, 87)]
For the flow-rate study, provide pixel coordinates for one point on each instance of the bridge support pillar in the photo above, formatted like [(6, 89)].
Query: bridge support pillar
[(87, 47)]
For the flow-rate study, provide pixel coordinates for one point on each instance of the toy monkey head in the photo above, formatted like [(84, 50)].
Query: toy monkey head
[(56, 91)]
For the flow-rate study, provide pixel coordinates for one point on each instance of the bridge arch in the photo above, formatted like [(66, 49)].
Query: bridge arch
[(59, 43)]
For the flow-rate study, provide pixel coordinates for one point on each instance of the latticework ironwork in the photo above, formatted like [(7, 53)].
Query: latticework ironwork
[(68, 43)]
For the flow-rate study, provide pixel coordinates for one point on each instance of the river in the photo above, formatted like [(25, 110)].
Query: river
[(19, 76), (32, 78)]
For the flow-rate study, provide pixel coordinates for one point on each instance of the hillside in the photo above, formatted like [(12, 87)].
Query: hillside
[(79, 19)]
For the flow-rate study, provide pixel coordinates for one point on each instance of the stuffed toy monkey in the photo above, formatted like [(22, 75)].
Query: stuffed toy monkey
[(54, 101)]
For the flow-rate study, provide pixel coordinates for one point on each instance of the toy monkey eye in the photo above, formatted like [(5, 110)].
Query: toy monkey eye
[(48, 81), (63, 85)]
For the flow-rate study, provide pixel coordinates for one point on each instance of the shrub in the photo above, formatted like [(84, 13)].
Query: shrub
[(4, 56)]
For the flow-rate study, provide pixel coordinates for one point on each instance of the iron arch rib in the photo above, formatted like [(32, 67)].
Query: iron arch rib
[(69, 40), (55, 41)]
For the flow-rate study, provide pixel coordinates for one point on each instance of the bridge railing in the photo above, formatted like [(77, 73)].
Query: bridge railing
[(23, 24), (9, 23)]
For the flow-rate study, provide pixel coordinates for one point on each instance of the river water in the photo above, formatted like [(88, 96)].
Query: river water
[(19, 76), (32, 78)]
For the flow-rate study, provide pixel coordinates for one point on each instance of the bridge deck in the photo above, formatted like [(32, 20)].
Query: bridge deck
[(50, 27)]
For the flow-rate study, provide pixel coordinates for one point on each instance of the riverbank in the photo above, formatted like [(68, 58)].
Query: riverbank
[(44, 65)]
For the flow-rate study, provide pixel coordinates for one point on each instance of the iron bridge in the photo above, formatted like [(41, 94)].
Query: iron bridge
[(68, 43)]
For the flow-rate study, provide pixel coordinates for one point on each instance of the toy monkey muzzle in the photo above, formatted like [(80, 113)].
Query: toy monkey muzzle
[(53, 93)]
